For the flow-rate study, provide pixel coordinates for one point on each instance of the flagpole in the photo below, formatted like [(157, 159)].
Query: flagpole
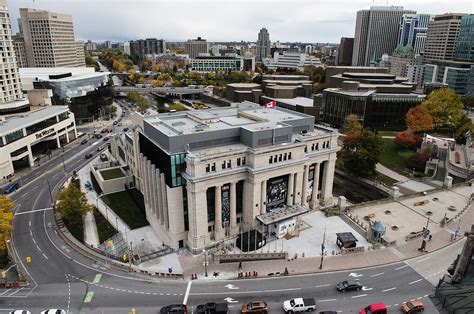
[(274, 123)]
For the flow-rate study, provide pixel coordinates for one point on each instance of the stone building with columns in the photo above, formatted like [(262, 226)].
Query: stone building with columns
[(207, 175)]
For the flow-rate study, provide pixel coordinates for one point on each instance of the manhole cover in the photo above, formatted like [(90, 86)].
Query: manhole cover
[(429, 213), (388, 212), (394, 228), (452, 208), (435, 199)]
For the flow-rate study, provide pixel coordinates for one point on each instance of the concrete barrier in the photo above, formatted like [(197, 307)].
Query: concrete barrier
[(413, 236), (234, 258), (352, 250)]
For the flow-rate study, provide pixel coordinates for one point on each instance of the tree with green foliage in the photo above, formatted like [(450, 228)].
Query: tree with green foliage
[(6, 219), (72, 204), (351, 124), (464, 125), (361, 152), (445, 107)]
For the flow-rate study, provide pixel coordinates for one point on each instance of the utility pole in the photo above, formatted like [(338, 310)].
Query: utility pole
[(322, 249)]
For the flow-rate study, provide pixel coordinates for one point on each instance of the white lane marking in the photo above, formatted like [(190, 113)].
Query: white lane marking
[(327, 300), (38, 247), (376, 275), (69, 293), (29, 223), (426, 295), (31, 233), (322, 285), (34, 241), (33, 211), (396, 304), (359, 296), (422, 260), (15, 292), (401, 267), (415, 281), (45, 256), (34, 188), (5, 291), (389, 289)]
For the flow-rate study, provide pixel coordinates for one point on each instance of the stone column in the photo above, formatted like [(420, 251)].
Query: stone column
[(31, 162), (233, 207), (314, 196), (67, 135), (58, 142), (304, 203), (328, 178), (218, 231), (290, 189), (263, 197)]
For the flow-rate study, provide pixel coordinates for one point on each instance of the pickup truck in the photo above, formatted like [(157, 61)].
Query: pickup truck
[(299, 305)]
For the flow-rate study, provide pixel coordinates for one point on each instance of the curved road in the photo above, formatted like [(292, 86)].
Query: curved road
[(65, 279)]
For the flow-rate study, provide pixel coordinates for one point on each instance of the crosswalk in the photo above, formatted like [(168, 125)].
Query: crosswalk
[(21, 292)]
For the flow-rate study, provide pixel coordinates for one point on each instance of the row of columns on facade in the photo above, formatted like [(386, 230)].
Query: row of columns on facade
[(58, 145)]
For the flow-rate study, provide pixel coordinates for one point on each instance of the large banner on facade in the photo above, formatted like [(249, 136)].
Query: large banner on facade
[(309, 189), (277, 191), (225, 201)]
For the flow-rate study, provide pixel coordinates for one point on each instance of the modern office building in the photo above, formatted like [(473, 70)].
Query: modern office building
[(442, 37), (197, 46), (24, 136), (11, 95), (83, 89), (212, 63), (465, 45), (263, 45), (20, 50), (139, 49), (454, 74), (49, 39), (376, 33), (344, 52), (379, 100), (413, 30), (291, 61), (206, 174)]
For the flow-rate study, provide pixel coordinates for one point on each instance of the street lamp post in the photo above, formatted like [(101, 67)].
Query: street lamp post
[(205, 262), (322, 249)]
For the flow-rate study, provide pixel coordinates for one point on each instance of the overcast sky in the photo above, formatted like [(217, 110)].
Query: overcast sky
[(221, 20)]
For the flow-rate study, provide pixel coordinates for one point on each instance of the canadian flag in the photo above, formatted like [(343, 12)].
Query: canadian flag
[(271, 104)]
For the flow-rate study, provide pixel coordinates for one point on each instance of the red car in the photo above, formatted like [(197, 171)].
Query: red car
[(378, 308)]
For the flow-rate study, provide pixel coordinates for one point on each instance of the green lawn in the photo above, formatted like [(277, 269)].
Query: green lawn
[(394, 158), (94, 183), (76, 230), (110, 174), (383, 178), (387, 133), (126, 208), (104, 228)]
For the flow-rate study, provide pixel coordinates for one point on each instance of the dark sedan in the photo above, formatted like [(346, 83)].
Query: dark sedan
[(348, 285)]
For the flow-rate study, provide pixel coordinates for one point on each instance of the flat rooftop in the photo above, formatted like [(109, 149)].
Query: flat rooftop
[(20, 121), (297, 101)]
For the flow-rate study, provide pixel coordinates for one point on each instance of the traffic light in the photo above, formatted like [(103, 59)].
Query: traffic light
[(4, 274), (28, 259)]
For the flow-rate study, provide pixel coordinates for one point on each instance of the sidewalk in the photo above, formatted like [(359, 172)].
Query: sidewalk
[(390, 173), (194, 264)]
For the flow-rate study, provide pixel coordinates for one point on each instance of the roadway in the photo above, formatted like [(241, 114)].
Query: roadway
[(64, 278)]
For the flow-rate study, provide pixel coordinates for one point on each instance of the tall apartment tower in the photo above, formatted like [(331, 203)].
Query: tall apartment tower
[(376, 33), (149, 46), (263, 45), (344, 52), (196, 46), (442, 37), (11, 96), (465, 46), (413, 30), (49, 39)]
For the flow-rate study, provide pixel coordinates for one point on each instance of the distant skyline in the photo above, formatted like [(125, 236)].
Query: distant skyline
[(177, 20)]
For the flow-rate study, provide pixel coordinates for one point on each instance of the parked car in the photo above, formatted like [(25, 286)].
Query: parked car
[(125, 129), (105, 139), (87, 156), (105, 130), (11, 188), (101, 147), (84, 141), (377, 308), (299, 305), (119, 124), (212, 308), (98, 136), (348, 285), (53, 311), (174, 308), (415, 306), (103, 157), (259, 307), (115, 122)]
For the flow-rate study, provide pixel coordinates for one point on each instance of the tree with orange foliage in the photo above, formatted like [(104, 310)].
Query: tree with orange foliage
[(419, 119)]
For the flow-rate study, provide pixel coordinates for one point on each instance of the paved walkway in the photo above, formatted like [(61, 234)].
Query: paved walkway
[(91, 236), (390, 173), (194, 264)]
